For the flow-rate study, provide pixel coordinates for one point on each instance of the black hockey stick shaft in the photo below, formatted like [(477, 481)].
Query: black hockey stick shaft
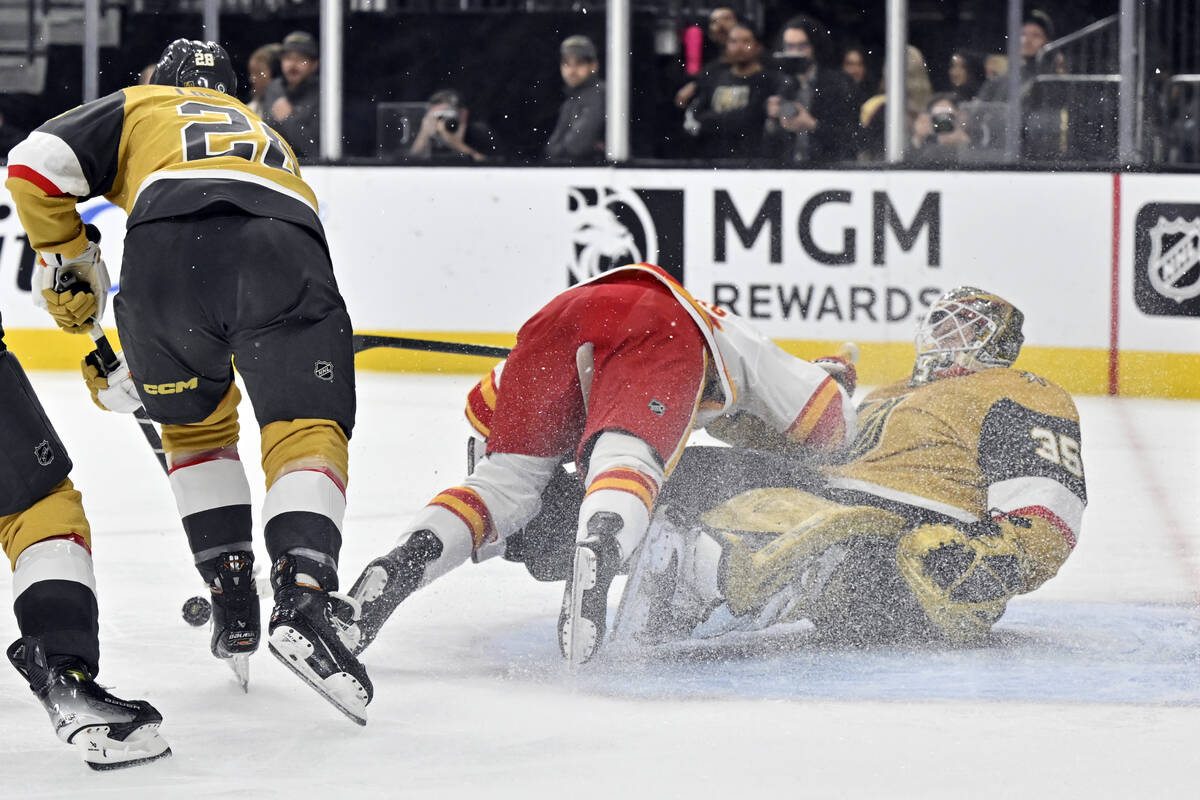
[(364, 341), (105, 361)]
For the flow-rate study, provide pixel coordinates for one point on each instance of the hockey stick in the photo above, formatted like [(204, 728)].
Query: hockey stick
[(364, 341), (105, 361)]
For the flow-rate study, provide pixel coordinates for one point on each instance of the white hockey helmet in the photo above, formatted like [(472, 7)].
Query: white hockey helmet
[(965, 331)]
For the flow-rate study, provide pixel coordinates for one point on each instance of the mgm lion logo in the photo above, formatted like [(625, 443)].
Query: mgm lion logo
[(614, 226)]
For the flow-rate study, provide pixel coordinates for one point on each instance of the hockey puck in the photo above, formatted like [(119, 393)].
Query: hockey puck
[(196, 611)]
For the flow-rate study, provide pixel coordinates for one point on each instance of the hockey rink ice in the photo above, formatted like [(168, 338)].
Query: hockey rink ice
[(1090, 687)]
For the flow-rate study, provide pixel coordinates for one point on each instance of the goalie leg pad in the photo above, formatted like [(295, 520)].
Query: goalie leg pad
[(750, 577)]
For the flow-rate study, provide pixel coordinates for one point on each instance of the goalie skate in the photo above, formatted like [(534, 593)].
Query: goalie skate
[(109, 732), (310, 633), (657, 606)]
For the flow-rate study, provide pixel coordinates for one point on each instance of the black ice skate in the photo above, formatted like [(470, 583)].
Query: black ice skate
[(387, 580), (582, 622), (310, 634), (110, 732), (236, 619)]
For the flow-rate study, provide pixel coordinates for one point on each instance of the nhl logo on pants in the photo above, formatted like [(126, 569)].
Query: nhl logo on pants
[(323, 370)]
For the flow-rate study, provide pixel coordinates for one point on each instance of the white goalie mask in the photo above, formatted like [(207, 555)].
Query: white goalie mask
[(965, 331)]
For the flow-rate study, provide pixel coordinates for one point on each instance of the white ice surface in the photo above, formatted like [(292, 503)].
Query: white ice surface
[(1091, 687)]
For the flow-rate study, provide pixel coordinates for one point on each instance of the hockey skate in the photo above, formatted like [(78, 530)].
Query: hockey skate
[(110, 733), (310, 632), (387, 580), (583, 619), (236, 619), (657, 605)]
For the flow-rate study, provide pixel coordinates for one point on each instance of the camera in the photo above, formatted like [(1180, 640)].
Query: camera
[(791, 63), (788, 110), (943, 122), (449, 116)]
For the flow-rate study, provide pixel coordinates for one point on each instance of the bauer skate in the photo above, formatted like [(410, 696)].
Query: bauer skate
[(236, 619), (311, 633), (583, 619), (388, 580), (109, 732)]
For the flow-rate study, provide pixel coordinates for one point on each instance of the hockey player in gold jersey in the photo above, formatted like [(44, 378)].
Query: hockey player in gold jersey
[(225, 262), (965, 487)]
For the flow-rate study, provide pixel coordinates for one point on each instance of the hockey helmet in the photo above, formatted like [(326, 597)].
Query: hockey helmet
[(967, 330), (190, 62)]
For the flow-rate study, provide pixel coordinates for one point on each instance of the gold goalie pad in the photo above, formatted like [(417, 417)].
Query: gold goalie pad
[(962, 582), (804, 525)]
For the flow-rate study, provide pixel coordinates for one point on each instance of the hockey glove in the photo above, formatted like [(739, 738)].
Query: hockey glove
[(115, 391), (964, 577), (73, 290), (841, 367)]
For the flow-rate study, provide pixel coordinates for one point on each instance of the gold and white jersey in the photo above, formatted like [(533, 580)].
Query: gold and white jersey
[(157, 152), (969, 447)]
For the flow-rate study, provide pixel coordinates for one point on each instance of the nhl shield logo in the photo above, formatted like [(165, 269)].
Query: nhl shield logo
[(44, 453), (1166, 273), (1174, 264), (323, 370), (658, 407)]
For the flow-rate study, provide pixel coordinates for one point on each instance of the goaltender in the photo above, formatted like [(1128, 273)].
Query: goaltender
[(964, 488)]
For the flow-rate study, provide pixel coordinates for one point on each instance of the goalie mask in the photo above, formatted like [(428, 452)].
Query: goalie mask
[(965, 331), (189, 62)]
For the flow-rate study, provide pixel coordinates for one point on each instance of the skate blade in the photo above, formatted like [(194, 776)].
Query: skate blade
[(341, 689), (579, 634), (100, 752), (240, 664)]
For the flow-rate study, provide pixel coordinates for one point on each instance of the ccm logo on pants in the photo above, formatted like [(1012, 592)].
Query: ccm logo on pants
[(177, 387)]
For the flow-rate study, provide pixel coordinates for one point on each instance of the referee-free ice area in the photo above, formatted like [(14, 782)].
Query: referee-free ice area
[(1090, 686)]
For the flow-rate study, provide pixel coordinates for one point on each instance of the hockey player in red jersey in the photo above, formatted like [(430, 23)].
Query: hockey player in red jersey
[(614, 373), (225, 261), (48, 541), (964, 488)]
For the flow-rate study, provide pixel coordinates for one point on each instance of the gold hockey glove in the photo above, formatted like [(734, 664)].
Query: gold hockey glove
[(73, 290), (963, 577)]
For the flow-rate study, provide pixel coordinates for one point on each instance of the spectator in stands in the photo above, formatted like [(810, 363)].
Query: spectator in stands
[(262, 68), (1036, 32), (720, 20), (293, 100), (966, 75), (578, 136), (854, 65), (939, 133), (448, 134), (146, 73), (995, 65), (813, 119), (729, 112), (917, 91)]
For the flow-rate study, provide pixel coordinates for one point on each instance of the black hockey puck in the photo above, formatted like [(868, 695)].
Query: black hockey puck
[(196, 611)]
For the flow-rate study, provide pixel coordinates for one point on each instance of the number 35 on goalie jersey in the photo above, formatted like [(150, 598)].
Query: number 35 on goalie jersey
[(998, 440), (155, 151)]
